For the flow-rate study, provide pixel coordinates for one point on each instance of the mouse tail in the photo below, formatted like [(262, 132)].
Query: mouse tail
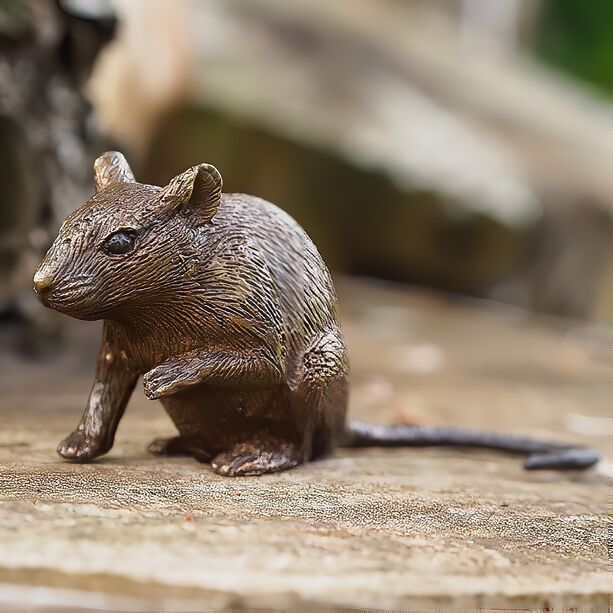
[(540, 454)]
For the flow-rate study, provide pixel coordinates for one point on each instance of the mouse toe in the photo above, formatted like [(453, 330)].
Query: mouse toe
[(252, 459)]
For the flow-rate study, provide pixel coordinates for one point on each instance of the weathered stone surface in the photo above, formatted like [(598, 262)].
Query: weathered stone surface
[(375, 528)]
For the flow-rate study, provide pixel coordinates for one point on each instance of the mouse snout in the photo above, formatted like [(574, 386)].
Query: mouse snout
[(43, 280)]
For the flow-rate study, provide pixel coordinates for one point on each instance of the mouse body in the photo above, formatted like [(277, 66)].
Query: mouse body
[(225, 307), (221, 301)]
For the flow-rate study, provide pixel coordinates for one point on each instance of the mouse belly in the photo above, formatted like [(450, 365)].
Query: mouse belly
[(214, 419)]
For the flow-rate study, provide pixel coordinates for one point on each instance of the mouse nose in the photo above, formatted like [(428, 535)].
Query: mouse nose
[(43, 280)]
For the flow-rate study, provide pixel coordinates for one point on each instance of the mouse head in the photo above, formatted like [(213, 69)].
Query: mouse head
[(125, 247)]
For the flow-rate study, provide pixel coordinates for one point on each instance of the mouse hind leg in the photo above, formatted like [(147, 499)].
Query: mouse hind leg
[(265, 437), (253, 433), (314, 403), (319, 394)]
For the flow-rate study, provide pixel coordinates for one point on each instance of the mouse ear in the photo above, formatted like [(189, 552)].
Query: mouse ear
[(197, 190), (111, 167)]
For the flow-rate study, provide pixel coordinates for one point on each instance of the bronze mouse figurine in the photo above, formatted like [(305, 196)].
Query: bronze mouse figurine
[(225, 306)]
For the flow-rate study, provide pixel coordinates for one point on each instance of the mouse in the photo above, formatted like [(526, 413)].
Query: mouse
[(224, 306)]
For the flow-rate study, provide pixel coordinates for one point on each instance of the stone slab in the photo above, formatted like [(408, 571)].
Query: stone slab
[(378, 528)]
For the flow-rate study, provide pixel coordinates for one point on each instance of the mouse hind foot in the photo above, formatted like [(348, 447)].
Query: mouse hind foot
[(257, 458)]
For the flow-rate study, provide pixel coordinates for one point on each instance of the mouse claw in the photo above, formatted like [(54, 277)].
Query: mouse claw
[(152, 391), (158, 383), (79, 447), (165, 380)]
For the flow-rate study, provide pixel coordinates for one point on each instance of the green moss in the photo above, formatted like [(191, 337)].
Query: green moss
[(577, 36)]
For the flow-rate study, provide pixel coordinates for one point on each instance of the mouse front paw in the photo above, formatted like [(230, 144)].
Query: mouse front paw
[(160, 381), (79, 447)]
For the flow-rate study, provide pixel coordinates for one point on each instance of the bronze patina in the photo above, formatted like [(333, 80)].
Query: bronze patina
[(224, 305)]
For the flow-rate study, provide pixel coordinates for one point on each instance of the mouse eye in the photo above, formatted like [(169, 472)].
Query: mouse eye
[(120, 242)]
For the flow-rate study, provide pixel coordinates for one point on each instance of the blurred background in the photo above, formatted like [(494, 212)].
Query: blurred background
[(460, 145)]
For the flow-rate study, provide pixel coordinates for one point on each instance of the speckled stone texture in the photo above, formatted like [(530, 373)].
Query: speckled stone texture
[(379, 528)]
